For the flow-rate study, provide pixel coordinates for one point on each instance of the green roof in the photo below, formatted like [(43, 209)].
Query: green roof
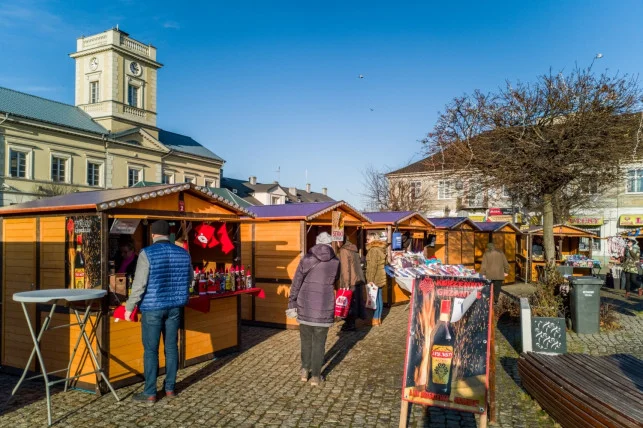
[(228, 195), (185, 144), (44, 110)]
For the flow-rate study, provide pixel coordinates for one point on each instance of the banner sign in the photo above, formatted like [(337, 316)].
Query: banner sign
[(500, 211), (477, 218), (448, 340), (338, 226), (631, 220), (83, 252), (501, 218), (585, 221)]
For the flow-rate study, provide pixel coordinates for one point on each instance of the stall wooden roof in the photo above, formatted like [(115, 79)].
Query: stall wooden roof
[(306, 211), (496, 226), (134, 198), (411, 219), (452, 222), (562, 230)]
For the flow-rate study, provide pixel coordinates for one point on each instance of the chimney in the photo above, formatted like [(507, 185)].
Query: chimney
[(308, 187), (324, 191), (292, 191), (253, 180)]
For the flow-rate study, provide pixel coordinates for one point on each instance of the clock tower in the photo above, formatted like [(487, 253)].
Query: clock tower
[(116, 81)]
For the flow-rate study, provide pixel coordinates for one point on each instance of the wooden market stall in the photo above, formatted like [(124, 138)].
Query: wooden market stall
[(567, 240), (70, 241), (275, 240), (455, 241), (417, 228), (504, 236)]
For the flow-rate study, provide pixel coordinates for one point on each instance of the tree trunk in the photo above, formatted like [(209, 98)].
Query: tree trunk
[(548, 231)]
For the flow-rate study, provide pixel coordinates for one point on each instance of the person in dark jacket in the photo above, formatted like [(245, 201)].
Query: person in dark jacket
[(128, 258), (351, 277), (163, 276), (312, 295)]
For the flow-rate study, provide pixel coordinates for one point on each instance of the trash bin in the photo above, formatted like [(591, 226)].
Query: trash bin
[(585, 299), (619, 279)]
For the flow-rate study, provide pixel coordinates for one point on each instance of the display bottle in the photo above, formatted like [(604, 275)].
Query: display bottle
[(221, 279), (79, 264), (248, 278), (237, 275), (203, 282), (228, 281), (242, 277), (211, 283), (442, 353)]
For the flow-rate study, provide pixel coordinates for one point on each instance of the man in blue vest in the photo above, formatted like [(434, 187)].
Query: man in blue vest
[(161, 283)]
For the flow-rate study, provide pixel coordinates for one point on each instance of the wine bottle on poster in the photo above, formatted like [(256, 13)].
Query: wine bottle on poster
[(442, 353), (79, 264)]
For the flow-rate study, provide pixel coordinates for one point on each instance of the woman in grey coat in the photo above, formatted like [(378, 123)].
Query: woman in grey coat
[(312, 294)]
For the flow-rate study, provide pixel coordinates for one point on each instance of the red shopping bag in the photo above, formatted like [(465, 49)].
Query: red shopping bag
[(343, 302)]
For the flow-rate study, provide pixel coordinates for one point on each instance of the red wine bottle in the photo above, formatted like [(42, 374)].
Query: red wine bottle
[(442, 353)]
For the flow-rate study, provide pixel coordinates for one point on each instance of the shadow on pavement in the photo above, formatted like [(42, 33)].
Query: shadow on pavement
[(347, 340)]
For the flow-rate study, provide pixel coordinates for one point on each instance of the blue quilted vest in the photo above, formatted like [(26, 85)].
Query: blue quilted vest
[(169, 277)]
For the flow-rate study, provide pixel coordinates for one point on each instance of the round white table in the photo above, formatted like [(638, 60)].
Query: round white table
[(54, 297)]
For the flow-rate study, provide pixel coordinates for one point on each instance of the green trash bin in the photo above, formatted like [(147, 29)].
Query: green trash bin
[(585, 300)]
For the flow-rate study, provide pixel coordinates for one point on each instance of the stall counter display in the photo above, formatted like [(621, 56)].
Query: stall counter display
[(415, 265), (582, 261)]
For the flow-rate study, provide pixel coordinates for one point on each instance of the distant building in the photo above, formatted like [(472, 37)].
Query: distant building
[(108, 139), (272, 194)]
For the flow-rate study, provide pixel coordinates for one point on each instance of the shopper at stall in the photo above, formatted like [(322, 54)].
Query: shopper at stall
[(351, 277), (312, 302), (630, 268), (495, 268), (163, 275), (375, 273), (128, 258)]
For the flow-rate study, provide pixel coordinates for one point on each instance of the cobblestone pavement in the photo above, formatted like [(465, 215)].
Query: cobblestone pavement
[(259, 386)]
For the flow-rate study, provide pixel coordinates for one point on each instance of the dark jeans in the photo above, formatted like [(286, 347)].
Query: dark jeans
[(153, 324), (357, 309), (631, 283), (497, 287), (313, 347)]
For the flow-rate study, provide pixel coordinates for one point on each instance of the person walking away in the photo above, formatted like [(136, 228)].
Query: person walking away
[(312, 295), (630, 268), (351, 277), (375, 273), (494, 268), (161, 283)]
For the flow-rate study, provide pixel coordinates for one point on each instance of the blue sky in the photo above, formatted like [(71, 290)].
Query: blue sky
[(270, 85)]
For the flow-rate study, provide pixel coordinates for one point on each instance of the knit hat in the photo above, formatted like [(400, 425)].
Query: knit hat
[(160, 227), (324, 238)]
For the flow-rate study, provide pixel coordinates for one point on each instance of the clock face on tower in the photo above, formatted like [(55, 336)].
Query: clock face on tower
[(93, 63), (135, 68)]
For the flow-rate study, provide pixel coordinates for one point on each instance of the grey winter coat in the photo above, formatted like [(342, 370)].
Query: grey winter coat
[(313, 288)]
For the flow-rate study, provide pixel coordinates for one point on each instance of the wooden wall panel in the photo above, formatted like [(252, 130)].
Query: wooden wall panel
[(468, 248), (126, 350), (454, 247), (481, 241), (19, 274), (246, 307), (206, 333), (52, 252), (246, 244), (272, 309), (282, 266)]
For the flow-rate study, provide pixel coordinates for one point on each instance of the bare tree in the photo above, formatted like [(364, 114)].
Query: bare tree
[(398, 194), (544, 141), (54, 189)]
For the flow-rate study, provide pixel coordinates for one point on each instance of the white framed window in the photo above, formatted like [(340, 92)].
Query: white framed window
[(60, 168), (416, 189), (133, 95), (275, 200), (168, 178), (19, 165), (505, 192), (95, 172), (189, 179), (211, 182), (445, 189), (134, 175), (94, 92), (635, 180)]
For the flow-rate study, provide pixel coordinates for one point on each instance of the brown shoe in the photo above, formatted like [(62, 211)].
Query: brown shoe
[(627, 294), (315, 381), (170, 394), (377, 322), (303, 373)]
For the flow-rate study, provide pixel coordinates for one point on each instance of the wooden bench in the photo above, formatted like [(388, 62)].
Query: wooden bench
[(580, 390)]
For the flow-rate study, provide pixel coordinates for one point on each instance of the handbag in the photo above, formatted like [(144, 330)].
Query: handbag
[(343, 302), (371, 296)]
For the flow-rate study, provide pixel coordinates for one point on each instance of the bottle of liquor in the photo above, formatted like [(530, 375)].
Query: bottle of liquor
[(195, 281), (79, 264), (228, 281), (248, 278), (442, 353), (203, 282), (221, 280), (237, 274), (242, 278)]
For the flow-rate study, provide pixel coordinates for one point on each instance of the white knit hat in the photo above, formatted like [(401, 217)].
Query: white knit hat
[(324, 238)]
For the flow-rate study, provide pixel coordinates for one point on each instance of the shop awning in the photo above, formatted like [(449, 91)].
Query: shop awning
[(130, 197), (563, 230)]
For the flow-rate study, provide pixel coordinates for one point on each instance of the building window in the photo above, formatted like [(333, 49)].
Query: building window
[(132, 95), (189, 179), (276, 200), (505, 192), (168, 178), (17, 163), (210, 183), (94, 173), (93, 93), (584, 243), (59, 169), (445, 189), (635, 181), (416, 189), (134, 175)]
